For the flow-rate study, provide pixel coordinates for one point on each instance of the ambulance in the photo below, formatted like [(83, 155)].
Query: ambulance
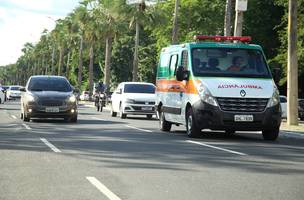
[(217, 83)]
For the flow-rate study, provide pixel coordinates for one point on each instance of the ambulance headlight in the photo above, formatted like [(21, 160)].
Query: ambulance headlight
[(206, 96), (275, 99)]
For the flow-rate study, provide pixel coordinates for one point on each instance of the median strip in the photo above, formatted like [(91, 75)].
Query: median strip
[(138, 129), (218, 148), (102, 188), (47, 143)]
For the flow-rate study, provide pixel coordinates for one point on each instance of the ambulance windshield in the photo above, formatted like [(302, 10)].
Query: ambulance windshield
[(229, 62)]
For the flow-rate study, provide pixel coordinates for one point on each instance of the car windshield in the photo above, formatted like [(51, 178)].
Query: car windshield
[(229, 62), (139, 88), (14, 88), (49, 84)]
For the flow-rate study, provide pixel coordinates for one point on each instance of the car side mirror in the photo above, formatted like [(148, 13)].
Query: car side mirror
[(276, 75), (182, 74), (22, 89)]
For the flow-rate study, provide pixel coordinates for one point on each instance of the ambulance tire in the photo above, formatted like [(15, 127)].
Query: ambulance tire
[(164, 125), (192, 130), (271, 135)]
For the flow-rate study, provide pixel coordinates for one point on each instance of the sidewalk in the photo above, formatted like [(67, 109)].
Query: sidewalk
[(298, 129)]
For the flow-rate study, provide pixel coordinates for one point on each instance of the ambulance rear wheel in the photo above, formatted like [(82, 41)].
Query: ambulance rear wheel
[(164, 125), (192, 130)]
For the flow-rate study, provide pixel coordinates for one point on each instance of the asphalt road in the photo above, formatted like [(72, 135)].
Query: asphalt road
[(102, 157)]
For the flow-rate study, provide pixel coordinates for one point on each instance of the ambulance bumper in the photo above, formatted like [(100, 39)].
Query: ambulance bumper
[(212, 117)]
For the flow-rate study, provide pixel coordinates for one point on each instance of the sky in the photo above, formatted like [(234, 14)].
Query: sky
[(23, 21)]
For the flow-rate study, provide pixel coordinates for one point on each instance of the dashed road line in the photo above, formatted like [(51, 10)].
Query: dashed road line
[(218, 148), (140, 129), (13, 116), (102, 188), (98, 119), (47, 143), (27, 126)]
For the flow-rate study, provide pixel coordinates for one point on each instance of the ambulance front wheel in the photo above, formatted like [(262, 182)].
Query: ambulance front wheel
[(271, 134), (164, 125), (192, 130)]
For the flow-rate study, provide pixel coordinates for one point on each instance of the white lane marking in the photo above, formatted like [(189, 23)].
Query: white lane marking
[(26, 126), (13, 116), (218, 148), (47, 143), (98, 119), (138, 129), (102, 188)]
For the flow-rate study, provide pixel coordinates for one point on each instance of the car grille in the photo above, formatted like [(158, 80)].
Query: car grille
[(242, 104), (144, 102), (51, 102)]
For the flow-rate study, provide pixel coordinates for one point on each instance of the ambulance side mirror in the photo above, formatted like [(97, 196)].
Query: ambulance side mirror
[(182, 74)]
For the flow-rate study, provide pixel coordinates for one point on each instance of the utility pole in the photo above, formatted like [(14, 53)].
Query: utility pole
[(292, 66), (240, 8), (175, 23), (227, 27)]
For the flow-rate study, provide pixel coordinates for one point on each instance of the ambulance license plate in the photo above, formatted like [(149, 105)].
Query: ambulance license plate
[(146, 108), (243, 118), (52, 109)]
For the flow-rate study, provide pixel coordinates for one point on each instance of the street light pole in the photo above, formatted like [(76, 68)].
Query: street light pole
[(240, 7)]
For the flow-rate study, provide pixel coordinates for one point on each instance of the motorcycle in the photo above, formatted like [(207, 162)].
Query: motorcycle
[(100, 101)]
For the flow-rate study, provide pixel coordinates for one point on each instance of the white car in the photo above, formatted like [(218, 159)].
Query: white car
[(13, 92), (2, 97), (135, 98), (283, 102), (84, 96)]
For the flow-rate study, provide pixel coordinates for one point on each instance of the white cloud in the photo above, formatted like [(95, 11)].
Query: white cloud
[(20, 23)]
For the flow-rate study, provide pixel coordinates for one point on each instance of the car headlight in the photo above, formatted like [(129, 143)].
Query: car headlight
[(206, 96), (72, 99), (275, 99), (129, 101)]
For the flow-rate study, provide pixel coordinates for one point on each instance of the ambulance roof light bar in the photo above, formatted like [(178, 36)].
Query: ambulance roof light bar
[(246, 39)]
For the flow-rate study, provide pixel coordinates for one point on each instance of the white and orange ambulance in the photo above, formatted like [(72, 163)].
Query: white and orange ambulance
[(215, 83)]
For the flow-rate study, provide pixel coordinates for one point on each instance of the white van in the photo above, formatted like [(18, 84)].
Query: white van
[(217, 85)]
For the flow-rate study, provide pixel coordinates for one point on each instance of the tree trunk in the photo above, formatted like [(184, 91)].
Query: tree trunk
[(91, 65), (67, 70), (108, 61), (175, 23), (227, 28), (135, 59), (80, 63), (60, 62), (292, 66), (53, 61)]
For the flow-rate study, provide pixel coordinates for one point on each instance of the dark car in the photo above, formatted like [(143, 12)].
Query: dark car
[(301, 109), (48, 97)]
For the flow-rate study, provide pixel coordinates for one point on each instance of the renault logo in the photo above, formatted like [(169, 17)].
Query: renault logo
[(243, 93)]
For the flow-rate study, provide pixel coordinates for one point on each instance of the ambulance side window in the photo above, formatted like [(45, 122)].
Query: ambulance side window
[(173, 64), (185, 59)]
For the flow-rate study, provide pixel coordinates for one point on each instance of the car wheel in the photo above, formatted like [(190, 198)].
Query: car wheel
[(113, 114), (74, 119), (0, 101), (164, 125), (26, 118), (271, 134), (192, 130), (121, 114), (149, 116)]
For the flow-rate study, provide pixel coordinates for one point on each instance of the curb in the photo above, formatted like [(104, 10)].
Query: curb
[(291, 134)]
